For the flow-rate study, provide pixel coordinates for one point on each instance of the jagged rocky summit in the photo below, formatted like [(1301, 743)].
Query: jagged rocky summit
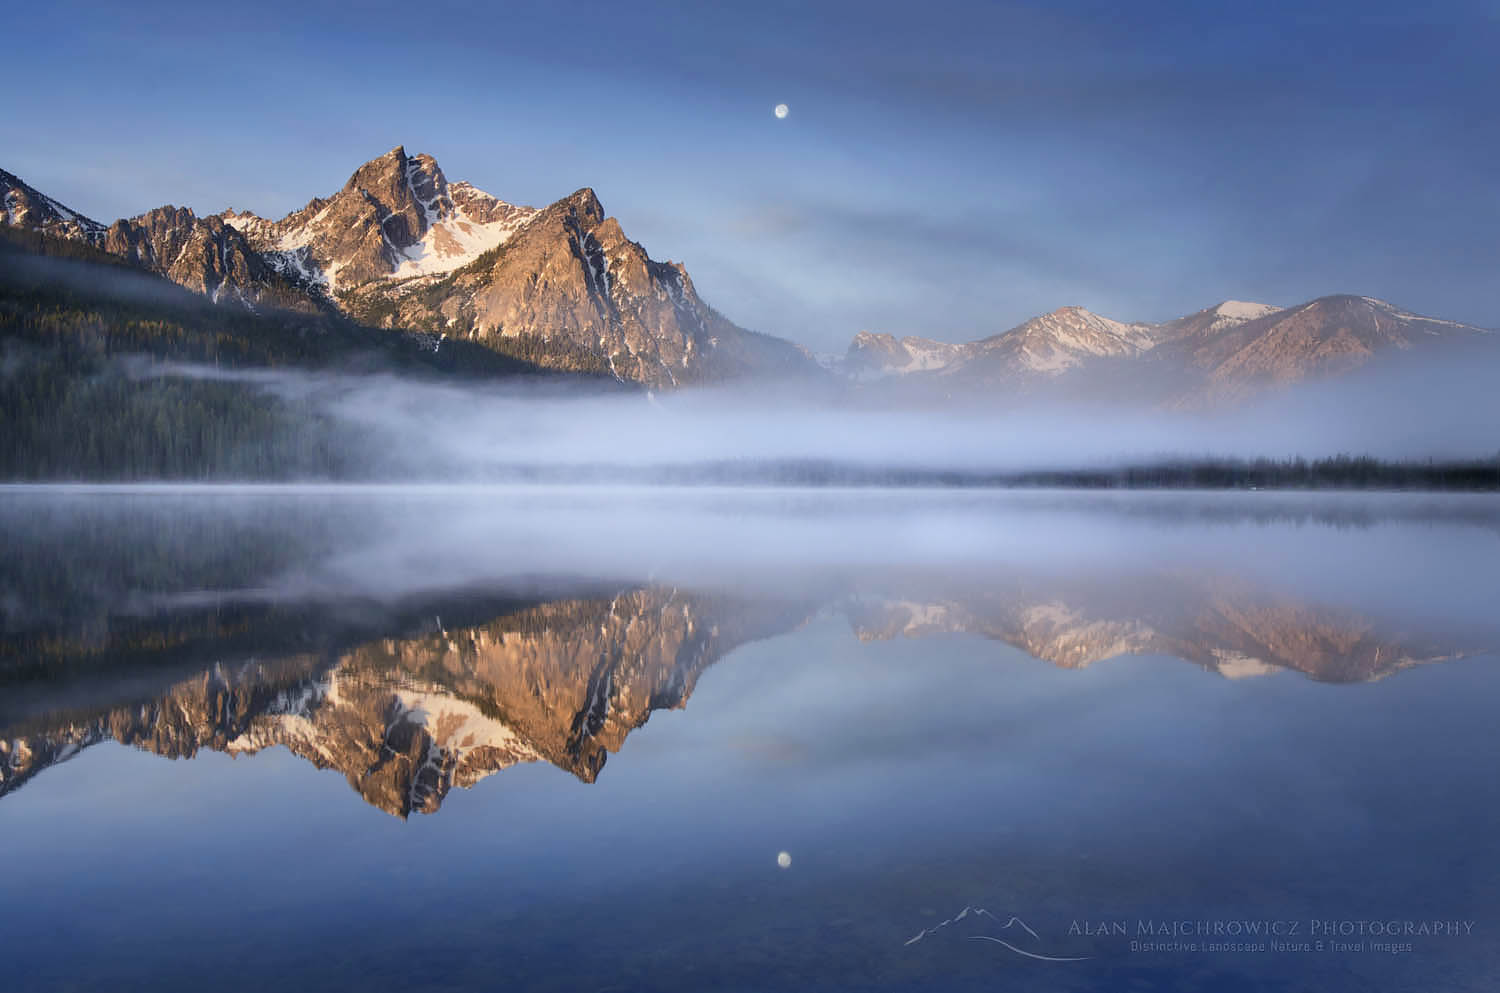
[(401, 247)]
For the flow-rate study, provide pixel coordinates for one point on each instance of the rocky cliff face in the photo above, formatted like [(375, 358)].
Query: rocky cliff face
[(205, 255), (401, 247), (569, 278), (397, 217)]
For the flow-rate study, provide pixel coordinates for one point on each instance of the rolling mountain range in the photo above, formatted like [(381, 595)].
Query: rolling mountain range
[(1219, 355), (563, 287)]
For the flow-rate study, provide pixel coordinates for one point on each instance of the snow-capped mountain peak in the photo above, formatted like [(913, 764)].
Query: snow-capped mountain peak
[(1055, 342), (1240, 310), (473, 223), (396, 218)]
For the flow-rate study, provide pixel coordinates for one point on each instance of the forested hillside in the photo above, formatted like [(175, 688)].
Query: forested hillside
[(85, 339)]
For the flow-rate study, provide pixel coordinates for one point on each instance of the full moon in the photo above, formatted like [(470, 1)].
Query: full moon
[(781, 110), (784, 859)]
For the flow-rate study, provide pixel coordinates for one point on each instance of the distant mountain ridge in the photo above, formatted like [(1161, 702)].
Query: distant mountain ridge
[(1223, 353), (398, 246)]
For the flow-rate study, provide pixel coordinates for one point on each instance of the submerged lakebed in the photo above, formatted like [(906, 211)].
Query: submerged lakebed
[(563, 738)]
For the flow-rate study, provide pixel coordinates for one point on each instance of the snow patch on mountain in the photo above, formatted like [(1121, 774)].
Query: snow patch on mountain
[(252, 226), (297, 264), (927, 354), (1238, 665), (875, 355), (454, 241), (457, 232), (1406, 315), (1056, 342), (1240, 310), (459, 727)]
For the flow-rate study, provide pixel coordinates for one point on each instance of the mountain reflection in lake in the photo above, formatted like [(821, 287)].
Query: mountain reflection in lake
[(1075, 709)]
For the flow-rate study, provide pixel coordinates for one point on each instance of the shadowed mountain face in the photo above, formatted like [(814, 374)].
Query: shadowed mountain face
[(24, 206), (207, 256)]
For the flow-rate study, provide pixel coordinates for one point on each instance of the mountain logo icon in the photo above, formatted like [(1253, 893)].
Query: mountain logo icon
[(972, 915)]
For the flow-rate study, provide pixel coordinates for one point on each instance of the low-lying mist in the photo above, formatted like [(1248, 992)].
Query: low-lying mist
[(421, 428)]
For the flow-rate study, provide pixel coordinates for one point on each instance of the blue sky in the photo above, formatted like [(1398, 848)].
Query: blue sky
[(947, 169)]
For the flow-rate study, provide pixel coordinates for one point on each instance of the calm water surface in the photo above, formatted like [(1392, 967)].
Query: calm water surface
[(436, 739)]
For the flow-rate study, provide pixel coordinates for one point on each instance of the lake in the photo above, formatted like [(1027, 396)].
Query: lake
[(424, 738)]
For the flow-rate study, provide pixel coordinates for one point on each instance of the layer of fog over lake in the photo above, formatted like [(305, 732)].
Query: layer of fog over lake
[(426, 737), (1418, 404), (1425, 407)]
